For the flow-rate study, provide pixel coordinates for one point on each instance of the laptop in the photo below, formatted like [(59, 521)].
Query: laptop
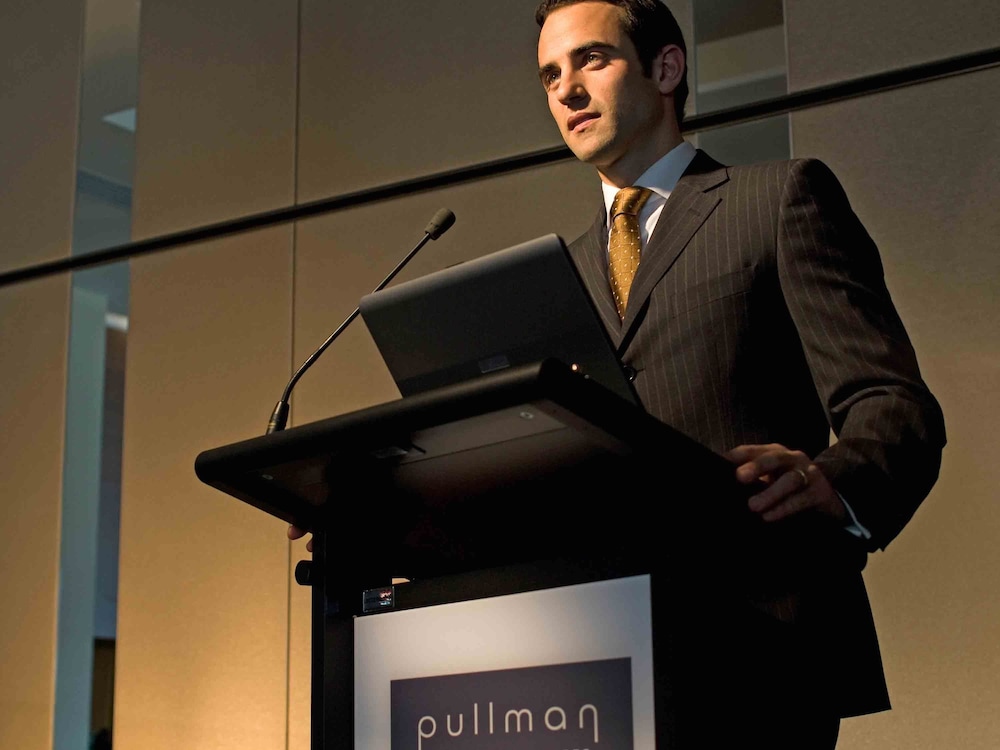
[(512, 307)]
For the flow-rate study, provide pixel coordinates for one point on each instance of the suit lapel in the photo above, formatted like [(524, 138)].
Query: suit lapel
[(691, 202), (590, 255)]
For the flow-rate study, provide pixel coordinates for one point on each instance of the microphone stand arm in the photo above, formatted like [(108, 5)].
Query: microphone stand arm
[(279, 417)]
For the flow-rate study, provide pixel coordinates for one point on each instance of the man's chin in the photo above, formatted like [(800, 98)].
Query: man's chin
[(588, 152)]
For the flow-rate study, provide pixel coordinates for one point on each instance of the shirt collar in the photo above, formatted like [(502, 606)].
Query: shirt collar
[(661, 177)]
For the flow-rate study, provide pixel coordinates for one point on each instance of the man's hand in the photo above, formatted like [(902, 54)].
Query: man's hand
[(794, 482), (294, 532)]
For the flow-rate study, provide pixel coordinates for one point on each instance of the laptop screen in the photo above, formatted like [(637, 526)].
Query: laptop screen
[(513, 307)]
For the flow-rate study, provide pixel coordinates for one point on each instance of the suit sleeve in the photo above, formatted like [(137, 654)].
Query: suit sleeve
[(889, 427)]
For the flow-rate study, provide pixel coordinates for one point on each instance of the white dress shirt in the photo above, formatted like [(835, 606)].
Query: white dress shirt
[(661, 179)]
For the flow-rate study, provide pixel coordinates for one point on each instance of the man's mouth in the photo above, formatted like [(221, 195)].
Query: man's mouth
[(580, 119)]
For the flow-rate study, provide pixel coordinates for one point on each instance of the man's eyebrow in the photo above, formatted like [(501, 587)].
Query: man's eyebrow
[(589, 46)]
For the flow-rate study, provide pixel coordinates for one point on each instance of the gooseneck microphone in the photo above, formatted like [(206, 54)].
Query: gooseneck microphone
[(438, 225)]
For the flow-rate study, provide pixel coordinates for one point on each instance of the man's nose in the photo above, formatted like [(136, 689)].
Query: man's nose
[(571, 88)]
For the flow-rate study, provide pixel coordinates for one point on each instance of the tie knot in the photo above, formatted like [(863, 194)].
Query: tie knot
[(630, 201)]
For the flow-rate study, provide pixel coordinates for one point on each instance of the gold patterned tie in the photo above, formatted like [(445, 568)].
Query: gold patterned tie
[(624, 244)]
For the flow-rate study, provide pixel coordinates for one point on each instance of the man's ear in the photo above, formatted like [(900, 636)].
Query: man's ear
[(668, 68)]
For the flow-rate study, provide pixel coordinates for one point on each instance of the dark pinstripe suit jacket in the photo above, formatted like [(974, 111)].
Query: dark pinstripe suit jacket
[(759, 314)]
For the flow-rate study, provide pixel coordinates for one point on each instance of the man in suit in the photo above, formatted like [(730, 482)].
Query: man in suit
[(757, 320)]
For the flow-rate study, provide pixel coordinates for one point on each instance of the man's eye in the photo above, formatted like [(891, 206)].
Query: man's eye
[(593, 58), (549, 79)]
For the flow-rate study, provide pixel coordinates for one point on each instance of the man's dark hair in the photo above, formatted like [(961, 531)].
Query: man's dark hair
[(650, 26)]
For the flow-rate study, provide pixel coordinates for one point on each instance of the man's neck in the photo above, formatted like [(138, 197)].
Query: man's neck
[(625, 171)]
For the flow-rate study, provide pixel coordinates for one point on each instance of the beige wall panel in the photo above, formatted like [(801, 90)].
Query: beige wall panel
[(203, 589), (203, 592), (40, 47), (920, 166), (392, 90), (34, 323), (835, 41), (216, 115), (740, 56)]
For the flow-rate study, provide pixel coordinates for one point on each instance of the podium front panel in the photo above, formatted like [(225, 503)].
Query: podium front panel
[(570, 666)]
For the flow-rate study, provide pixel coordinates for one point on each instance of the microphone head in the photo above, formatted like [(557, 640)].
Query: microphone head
[(440, 223)]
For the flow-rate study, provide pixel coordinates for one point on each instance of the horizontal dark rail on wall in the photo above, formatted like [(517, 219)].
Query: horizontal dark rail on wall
[(852, 89), (799, 100), (284, 215)]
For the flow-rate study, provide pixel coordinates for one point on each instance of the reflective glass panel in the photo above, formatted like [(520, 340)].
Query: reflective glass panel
[(88, 573)]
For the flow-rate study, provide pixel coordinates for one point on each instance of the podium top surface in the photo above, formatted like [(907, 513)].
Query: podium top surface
[(495, 433), (503, 469)]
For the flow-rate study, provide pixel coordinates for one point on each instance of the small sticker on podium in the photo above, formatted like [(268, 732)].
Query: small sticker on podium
[(375, 600)]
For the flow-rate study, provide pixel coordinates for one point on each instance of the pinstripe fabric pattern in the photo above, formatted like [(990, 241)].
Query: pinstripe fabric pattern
[(760, 314)]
